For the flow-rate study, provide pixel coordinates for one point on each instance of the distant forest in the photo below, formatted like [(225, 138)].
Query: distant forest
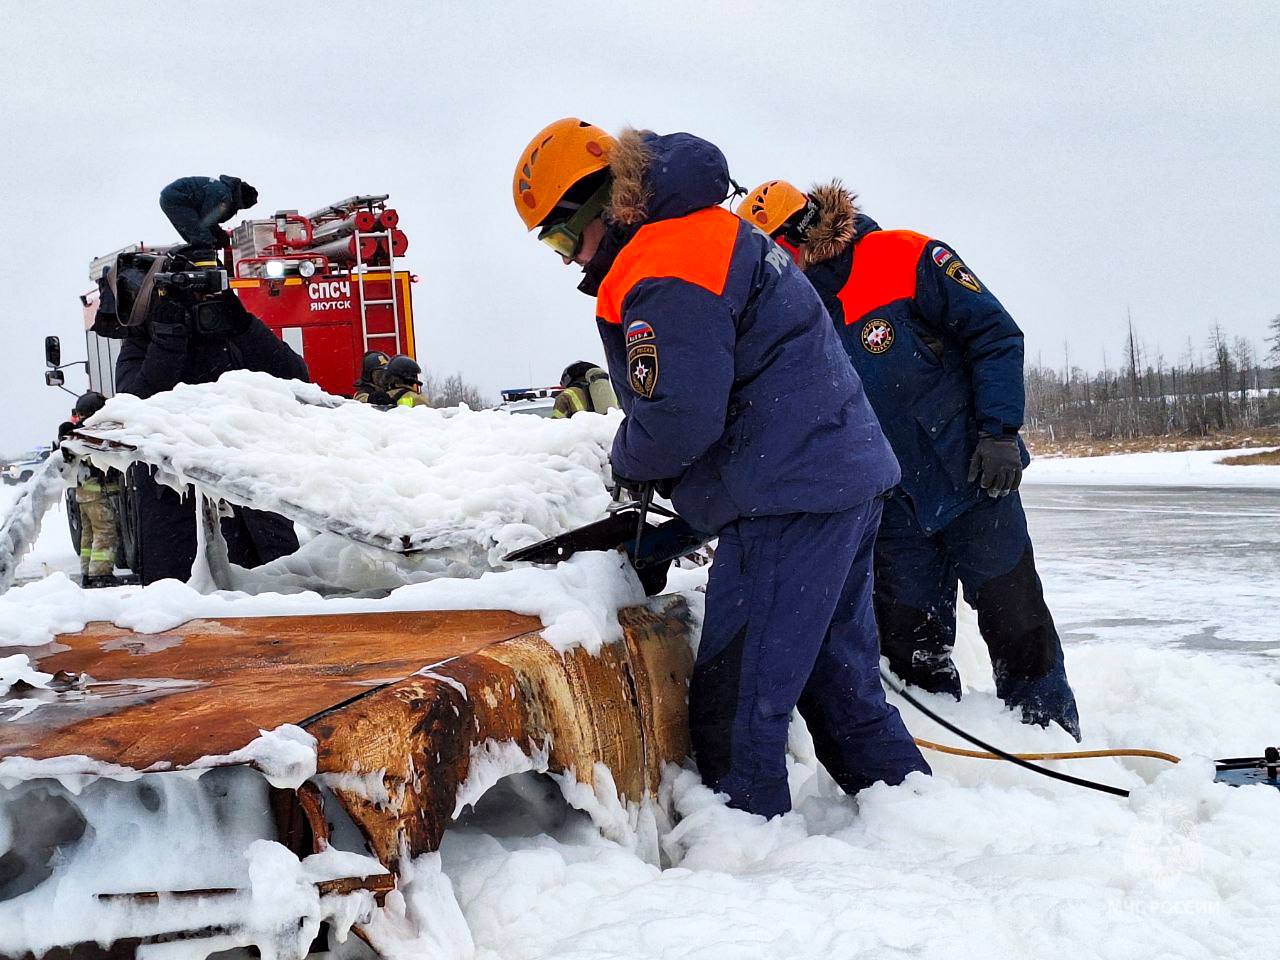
[(1219, 385)]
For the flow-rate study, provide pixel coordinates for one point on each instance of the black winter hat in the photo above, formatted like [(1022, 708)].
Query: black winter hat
[(248, 195)]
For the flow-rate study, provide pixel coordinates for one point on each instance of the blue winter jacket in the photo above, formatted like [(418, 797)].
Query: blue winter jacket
[(940, 357), (726, 364), (195, 205)]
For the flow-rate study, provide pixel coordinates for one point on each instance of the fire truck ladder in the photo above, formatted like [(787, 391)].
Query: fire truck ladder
[(393, 301)]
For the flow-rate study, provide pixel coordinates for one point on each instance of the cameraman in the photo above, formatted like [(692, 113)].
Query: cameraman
[(191, 337), (197, 205)]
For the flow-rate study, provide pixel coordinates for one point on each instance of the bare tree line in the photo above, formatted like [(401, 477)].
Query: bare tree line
[(1220, 385), (451, 391)]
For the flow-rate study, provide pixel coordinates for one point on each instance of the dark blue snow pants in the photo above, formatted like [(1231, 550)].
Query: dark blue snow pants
[(987, 548), (790, 623)]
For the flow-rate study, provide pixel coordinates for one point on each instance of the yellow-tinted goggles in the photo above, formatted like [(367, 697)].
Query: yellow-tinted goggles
[(565, 236), (561, 238)]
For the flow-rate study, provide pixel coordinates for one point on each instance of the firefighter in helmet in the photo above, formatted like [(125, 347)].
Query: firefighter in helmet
[(586, 390), (402, 379), (942, 362), (96, 492), (738, 396), (370, 387)]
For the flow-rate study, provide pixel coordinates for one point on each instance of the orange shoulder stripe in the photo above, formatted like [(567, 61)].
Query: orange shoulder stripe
[(884, 270), (696, 248)]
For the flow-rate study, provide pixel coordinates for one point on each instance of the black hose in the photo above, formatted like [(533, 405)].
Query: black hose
[(1002, 754)]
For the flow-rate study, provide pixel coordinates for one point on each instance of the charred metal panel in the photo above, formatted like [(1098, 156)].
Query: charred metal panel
[(207, 687), (623, 707), (406, 699)]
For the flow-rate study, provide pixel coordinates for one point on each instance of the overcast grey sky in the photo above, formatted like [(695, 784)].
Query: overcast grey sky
[(1084, 158)]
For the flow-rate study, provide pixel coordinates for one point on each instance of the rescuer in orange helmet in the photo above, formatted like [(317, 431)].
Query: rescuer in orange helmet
[(738, 397), (942, 363)]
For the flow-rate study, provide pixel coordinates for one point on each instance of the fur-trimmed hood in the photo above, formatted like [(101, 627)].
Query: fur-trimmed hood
[(662, 177), (836, 226)]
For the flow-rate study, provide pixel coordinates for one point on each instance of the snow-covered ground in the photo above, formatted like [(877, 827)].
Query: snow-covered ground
[(1166, 601), (1150, 587)]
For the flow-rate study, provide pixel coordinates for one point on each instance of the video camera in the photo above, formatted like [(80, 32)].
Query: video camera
[(132, 288), (191, 283)]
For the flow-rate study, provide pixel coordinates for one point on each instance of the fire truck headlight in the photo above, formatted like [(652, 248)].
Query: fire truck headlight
[(306, 268), (275, 269)]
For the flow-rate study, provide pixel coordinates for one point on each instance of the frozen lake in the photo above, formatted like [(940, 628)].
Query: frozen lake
[(1170, 566)]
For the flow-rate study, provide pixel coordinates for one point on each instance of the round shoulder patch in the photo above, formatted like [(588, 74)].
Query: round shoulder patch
[(877, 335)]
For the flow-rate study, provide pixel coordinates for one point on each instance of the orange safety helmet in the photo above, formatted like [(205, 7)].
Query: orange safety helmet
[(771, 204), (557, 158)]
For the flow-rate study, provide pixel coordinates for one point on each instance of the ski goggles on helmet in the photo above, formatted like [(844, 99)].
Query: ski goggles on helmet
[(565, 236), (796, 229)]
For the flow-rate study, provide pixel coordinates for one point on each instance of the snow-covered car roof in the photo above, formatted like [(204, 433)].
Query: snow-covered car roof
[(406, 479)]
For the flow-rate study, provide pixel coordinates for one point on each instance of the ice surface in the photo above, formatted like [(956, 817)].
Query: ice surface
[(1164, 567), (23, 512), (1192, 468)]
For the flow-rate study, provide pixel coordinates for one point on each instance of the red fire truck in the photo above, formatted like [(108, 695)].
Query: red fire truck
[(326, 283)]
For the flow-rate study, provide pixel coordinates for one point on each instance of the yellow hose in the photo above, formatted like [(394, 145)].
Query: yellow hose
[(1068, 755)]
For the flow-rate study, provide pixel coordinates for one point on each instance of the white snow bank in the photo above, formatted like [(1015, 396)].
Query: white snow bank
[(577, 601), (421, 917), (982, 860), (447, 479), (1192, 468)]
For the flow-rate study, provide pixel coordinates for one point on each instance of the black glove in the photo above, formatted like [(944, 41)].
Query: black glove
[(663, 488), (999, 463), (219, 235), (168, 321), (64, 431), (626, 483)]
